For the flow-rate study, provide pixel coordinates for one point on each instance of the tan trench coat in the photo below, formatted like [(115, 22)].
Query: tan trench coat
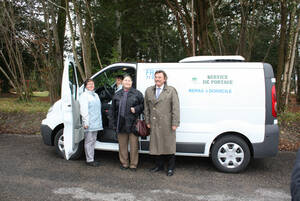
[(162, 114)]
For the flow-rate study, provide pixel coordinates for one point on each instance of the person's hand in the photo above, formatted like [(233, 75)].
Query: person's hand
[(174, 128), (132, 109), (148, 125)]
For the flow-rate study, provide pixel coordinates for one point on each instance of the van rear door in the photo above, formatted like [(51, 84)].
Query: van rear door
[(73, 132)]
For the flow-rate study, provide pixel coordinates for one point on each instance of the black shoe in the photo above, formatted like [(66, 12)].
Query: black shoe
[(133, 169), (123, 168), (93, 163), (156, 169), (170, 173)]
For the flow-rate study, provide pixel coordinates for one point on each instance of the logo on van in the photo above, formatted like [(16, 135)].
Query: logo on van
[(218, 80), (212, 84), (150, 74)]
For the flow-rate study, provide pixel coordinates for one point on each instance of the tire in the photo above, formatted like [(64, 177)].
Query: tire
[(230, 154), (59, 146)]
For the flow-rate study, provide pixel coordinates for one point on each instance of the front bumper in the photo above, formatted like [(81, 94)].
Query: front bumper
[(46, 132)]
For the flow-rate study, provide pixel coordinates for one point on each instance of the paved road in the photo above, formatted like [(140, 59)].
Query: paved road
[(30, 170)]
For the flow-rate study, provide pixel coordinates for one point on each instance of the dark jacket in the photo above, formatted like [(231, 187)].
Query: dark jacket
[(295, 180), (134, 99)]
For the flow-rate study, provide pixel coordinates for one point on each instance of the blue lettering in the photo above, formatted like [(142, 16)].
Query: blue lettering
[(149, 74)]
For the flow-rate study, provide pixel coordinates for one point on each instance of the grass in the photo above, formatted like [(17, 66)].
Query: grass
[(12, 104), (289, 117), (41, 93)]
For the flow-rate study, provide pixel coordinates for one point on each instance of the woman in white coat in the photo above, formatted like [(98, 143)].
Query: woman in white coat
[(90, 110)]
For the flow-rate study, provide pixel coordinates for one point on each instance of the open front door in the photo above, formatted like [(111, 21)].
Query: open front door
[(73, 133)]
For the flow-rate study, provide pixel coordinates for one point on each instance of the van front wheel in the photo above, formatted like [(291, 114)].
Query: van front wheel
[(60, 149), (230, 154)]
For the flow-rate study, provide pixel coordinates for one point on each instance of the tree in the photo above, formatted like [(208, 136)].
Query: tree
[(297, 74), (287, 49), (148, 33), (13, 47), (52, 47), (182, 12), (135, 31)]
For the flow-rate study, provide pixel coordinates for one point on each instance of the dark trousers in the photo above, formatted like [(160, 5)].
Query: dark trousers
[(161, 159)]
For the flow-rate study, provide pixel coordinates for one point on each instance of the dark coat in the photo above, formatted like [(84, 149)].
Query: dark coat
[(162, 114), (134, 99), (295, 180)]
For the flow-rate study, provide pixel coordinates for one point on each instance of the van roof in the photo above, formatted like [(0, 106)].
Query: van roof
[(195, 59)]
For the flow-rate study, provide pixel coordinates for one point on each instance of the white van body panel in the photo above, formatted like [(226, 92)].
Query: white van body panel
[(54, 117), (106, 146), (213, 98)]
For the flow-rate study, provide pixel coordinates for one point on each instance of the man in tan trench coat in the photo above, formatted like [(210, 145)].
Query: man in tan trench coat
[(162, 117)]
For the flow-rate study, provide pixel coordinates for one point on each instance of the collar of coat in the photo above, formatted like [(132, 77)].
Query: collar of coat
[(165, 89), (131, 90)]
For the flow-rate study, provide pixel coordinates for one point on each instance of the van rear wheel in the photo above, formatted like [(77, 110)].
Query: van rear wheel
[(230, 154), (60, 149)]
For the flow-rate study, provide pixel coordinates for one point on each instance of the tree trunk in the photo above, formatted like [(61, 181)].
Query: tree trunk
[(55, 22), (288, 66), (93, 32), (61, 25), (298, 77), (58, 59), (175, 9), (85, 35), (184, 25), (202, 9), (292, 59), (13, 44), (82, 75), (252, 30), (88, 47), (218, 33), (158, 44), (119, 39), (241, 49), (281, 55)]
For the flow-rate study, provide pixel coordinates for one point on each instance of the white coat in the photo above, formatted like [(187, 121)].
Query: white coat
[(90, 110)]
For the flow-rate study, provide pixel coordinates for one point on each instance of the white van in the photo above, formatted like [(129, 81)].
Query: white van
[(227, 109)]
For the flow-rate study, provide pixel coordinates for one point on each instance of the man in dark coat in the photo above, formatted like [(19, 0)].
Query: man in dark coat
[(295, 180), (162, 117)]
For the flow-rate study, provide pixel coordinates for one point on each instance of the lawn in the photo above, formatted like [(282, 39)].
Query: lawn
[(9, 102), (22, 117), (13, 104)]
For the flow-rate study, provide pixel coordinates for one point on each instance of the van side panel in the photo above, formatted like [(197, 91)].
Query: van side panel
[(214, 98), (269, 147)]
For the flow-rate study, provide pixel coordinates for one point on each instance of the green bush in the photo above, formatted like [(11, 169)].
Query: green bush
[(287, 118)]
